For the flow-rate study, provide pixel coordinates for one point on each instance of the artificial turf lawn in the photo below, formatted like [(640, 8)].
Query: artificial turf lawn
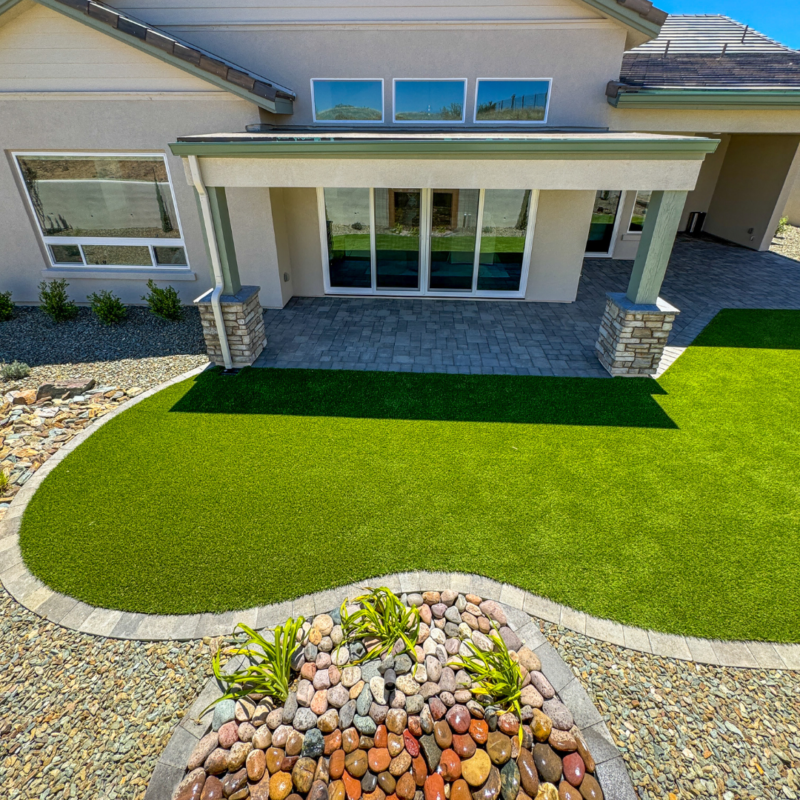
[(672, 504)]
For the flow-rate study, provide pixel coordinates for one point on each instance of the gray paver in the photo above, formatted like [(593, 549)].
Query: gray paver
[(553, 666), (164, 781), (702, 651), (56, 607), (601, 744), (574, 620), (735, 654), (766, 655), (669, 645), (615, 781), (605, 630), (179, 748), (542, 608), (636, 639), (583, 710)]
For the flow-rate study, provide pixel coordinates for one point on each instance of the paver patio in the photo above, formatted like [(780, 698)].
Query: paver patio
[(488, 337)]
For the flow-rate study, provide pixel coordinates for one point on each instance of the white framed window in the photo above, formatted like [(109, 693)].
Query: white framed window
[(430, 242), (109, 210), (512, 101), (639, 212), (429, 100), (347, 100), (604, 227)]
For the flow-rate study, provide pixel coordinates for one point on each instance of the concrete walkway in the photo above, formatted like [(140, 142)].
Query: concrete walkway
[(488, 337)]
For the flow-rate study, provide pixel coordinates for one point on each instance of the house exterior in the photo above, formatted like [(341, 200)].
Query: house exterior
[(379, 149)]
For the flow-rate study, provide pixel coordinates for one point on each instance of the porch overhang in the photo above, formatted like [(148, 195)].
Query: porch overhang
[(539, 160)]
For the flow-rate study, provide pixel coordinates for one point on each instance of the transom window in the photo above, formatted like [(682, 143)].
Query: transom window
[(446, 242), (101, 210), (508, 100), (347, 100), (429, 100)]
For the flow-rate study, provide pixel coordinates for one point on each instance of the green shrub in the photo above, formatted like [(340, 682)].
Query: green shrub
[(6, 306), (15, 371), (783, 226), (107, 307), (164, 303), (3, 481), (382, 616), (55, 302), (270, 669)]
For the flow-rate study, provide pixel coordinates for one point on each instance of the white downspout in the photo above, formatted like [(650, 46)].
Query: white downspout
[(213, 248)]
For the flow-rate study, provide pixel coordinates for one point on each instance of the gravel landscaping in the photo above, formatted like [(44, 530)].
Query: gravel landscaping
[(142, 351), (788, 243)]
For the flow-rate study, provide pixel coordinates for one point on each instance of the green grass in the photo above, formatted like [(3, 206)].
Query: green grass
[(670, 504)]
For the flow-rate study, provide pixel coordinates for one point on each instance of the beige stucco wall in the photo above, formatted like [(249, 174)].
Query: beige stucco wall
[(792, 209), (302, 231), (754, 183), (676, 120), (562, 227)]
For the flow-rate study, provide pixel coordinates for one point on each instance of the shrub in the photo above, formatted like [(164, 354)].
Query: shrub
[(783, 226), (6, 306), (3, 481), (55, 302), (15, 371), (107, 307), (382, 616), (164, 303), (270, 669), (497, 675)]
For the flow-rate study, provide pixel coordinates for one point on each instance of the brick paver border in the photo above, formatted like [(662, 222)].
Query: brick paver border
[(76, 615), (611, 770)]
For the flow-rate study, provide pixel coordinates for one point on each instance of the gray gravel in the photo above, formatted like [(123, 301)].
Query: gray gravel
[(788, 243), (690, 730), (84, 717), (142, 351)]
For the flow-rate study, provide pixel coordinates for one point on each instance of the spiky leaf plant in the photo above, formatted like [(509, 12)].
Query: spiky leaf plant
[(270, 669), (382, 616), (497, 675)]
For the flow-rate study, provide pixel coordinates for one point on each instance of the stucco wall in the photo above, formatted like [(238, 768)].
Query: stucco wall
[(757, 175), (559, 241), (792, 210)]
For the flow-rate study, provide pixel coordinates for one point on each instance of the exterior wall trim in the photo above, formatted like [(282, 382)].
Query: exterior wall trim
[(707, 99), (600, 147)]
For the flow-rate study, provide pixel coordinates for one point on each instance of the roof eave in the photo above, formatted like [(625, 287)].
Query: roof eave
[(707, 99), (627, 16), (276, 105)]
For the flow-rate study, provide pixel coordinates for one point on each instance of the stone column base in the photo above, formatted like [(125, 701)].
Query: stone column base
[(244, 324), (632, 337)]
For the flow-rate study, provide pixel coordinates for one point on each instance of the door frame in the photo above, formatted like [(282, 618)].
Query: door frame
[(424, 256), (615, 231)]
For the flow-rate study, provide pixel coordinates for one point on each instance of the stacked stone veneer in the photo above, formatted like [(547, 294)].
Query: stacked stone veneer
[(632, 337), (244, 324)]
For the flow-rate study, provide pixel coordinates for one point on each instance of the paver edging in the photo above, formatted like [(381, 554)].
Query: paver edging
[(613, 777), (75, 615)]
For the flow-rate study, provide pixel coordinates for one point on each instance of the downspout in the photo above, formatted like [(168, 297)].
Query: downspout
[(213, 249)]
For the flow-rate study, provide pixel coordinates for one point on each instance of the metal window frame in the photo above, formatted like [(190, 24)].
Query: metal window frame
[(477, 121), (48, 242), (463, 81), (348, 121), (424, 289)]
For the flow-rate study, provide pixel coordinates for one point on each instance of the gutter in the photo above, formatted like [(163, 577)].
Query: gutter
[(213, 249), (621, 95)]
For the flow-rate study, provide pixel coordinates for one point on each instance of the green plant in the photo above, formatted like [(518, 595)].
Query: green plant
[(497, 675), (783, 226), (383, 617), (55, 301), (164, 303), (270, 667), (107, 307), (6, 306), (3, 481), (15, 371)]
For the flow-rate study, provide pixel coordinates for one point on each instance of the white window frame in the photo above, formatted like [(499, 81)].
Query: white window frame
[(629, 232), (80, 241), (424, 256), (476, 121), (462, 81), (348, 121), (615, 232)]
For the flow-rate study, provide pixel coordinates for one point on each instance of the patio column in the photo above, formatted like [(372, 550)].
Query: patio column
[(241, 308), (636, 325)]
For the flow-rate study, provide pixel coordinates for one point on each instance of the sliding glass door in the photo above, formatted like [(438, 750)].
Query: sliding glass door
[(441, 242), (604, 222)]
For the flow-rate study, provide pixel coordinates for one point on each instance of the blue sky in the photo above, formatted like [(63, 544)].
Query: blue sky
[(778, 19)]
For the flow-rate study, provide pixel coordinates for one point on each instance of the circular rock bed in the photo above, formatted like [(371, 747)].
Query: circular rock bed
[(392, 729)]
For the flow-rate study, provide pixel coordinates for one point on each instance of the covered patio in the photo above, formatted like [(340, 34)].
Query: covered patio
[(517, 338)]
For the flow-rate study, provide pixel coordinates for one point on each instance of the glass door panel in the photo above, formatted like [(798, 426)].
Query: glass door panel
[(454, 217), (347, 222), (604, 218), (503, 233), (397, 218)]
